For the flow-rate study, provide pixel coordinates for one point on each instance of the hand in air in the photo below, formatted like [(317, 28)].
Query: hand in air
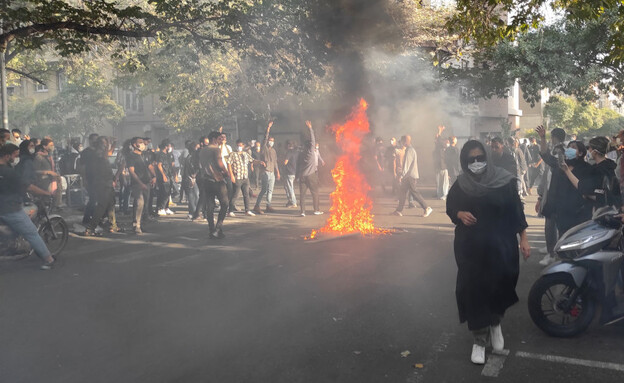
[(541, 131)]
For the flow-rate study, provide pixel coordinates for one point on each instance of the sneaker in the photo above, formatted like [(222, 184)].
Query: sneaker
[(257, 210), (190, 217), (478, 354), (47, 266), (250, 213), (231, 214), (212, 235), (269, 209), (543, 250), (294, 206), (302, 214), (547, 260), (162, 212), (138, 231), (219, 233), (169, 212), (428, 212), (318, 212), (496, 337), (397, 213)]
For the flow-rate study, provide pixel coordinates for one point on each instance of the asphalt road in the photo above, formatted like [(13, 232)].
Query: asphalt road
[(263, 305)]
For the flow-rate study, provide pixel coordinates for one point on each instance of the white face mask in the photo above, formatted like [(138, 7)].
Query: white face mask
[(271, 143), (477, 167), (239, 148), (15, 161), (31, 151), (142, 147)]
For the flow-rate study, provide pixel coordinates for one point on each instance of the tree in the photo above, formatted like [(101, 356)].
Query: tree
[(560, 111), (488, 22), (566, 57), (84, 105)]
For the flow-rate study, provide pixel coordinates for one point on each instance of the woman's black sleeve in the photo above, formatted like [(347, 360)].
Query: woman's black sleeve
[(452, 203)]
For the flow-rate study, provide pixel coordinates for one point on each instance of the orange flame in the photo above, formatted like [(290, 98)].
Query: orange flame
[(351, 207)]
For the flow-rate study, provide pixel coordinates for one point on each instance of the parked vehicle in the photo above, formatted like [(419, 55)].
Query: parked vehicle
[(564, 300), (52, 228)]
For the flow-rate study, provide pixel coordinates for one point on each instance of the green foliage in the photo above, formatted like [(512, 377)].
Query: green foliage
[(582, 117), (567, 58), (83, 106), (488, 22)]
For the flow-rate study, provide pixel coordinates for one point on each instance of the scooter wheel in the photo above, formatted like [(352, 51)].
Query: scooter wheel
[(551, 310)]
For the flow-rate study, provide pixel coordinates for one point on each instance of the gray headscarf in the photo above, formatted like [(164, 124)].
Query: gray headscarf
[(479, 185)]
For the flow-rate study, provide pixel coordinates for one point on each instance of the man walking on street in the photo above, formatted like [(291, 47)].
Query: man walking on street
[(408, 179), (238, 165), (269, 172), (214, 173), (439, 164), (141, 181), (290, 168), (308, 173)]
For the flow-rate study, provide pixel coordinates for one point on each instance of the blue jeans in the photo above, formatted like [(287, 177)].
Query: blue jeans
[(289, 187), (268, 181), (21, 224), (192, 195)]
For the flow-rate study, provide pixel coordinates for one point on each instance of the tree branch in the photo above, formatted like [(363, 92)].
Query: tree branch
[(28, 75)]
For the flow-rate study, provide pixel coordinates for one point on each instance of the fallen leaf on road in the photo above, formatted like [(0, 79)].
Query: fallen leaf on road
[(405, 353), (336, 319), (419, 365), (357, 352)]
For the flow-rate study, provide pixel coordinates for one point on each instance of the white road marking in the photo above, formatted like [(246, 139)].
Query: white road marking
[(495, 363), (573, 361)]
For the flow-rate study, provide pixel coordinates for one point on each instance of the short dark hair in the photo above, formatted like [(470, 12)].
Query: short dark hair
[(497, 139), (45, 142), (558, 133), (4, 131), (134, 140), (16, 131), (8, 149), (239, 141), (213, 135)]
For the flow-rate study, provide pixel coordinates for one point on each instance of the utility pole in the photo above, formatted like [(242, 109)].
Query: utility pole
[(3, 84)]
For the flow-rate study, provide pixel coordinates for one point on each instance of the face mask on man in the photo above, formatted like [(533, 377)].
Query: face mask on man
[(15, 161), (570, 153), (477, 167), (239, 148), (271, 143), (142, 147), (31, 150)]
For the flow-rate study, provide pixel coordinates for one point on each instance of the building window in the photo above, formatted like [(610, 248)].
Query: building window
[(41, 87), (133, 102)]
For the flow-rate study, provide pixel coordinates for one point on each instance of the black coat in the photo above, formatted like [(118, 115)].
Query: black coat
[(486, 253)]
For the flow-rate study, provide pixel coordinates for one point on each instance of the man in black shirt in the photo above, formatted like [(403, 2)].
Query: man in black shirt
[(164, 174), (141, 179), (12, 189), (214, 173), (84, 164), (102, 186)]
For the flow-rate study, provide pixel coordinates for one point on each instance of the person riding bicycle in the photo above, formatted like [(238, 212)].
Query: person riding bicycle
[(12, 190)]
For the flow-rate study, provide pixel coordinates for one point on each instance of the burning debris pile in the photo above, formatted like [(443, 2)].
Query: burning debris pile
[(350, 212)]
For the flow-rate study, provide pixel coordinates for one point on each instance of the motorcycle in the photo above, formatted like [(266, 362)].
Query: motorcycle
[(51, 227), (564, 300)]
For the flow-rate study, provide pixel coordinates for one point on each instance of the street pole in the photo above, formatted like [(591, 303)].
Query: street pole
[(5, 102)]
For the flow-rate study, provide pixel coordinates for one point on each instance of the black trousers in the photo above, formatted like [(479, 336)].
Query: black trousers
[(201, 202), (104, 201), (408, 186), (242, 185), (90, 207), (309, 182), (230, 189), (219, 190), (164, 192)]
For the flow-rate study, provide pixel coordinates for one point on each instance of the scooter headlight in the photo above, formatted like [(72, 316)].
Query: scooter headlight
[(579, 243)]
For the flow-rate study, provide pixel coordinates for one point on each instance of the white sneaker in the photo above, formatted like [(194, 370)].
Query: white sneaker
[(478, 354), (318, 212), (547, 260), (428, 212), (496, 337), (543, 250), (162, 212), (302, 214), (190, 217), (231, 214), (250, 213), (169, 212)]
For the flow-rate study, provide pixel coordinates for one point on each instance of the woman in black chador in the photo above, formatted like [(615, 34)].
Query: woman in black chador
[(485, 207)]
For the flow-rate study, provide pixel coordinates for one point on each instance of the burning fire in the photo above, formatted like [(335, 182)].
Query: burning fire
[(351, 207)]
